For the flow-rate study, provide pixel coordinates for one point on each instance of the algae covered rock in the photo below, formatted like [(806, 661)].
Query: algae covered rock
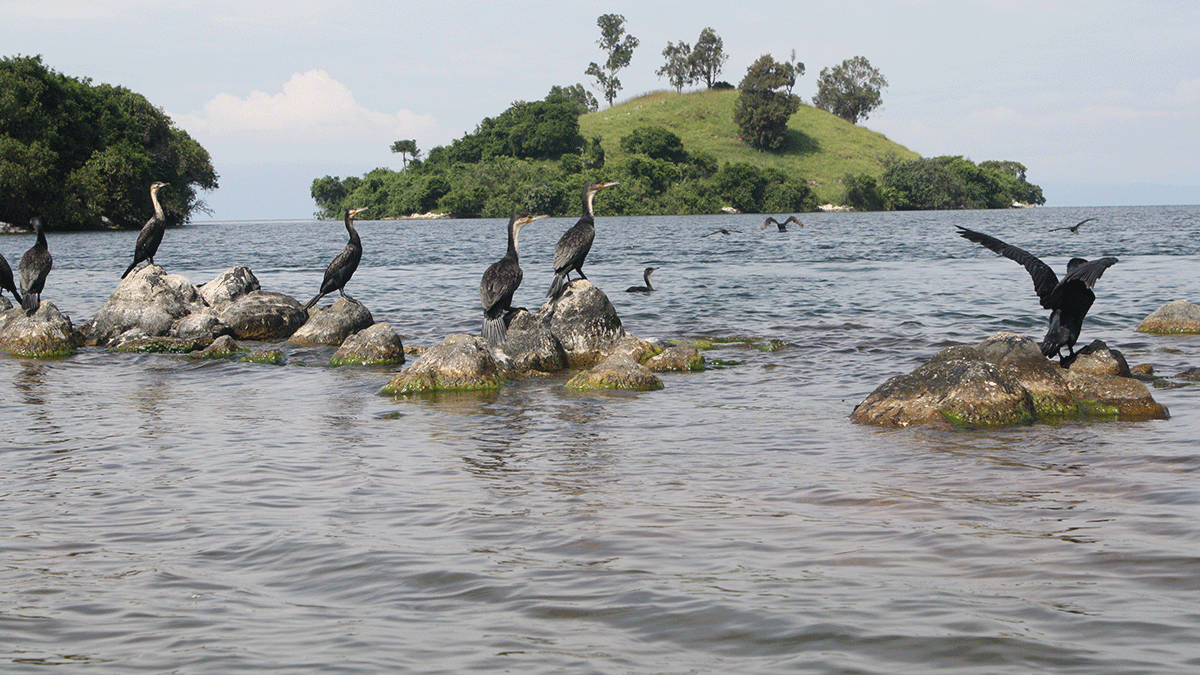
[(46, 334), (269, 357), (617, 371), (377, 345), (333, 324), (682, 357), (221, 348), (460, 363), (1179, 316)]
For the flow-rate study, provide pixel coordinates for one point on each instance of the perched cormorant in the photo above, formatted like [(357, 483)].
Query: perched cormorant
[(152, 232), (342, 267), (33, 269), (1069, 299), (720, 231), (782, 226), (643, 289), (498, 284), (6, 279), (1073, 228), (573, 247)]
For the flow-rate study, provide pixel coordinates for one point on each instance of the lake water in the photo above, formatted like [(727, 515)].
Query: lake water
[(159, 515)]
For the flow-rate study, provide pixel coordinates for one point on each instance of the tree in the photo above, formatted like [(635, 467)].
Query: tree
[(708, 58), (655, 142), (678, 69), (762, 109), (619, 46), (406, 148), (795, 71), (578, 95), (850, 90)]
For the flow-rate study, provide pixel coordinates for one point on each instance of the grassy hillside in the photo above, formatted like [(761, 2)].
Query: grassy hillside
[(821, 147)]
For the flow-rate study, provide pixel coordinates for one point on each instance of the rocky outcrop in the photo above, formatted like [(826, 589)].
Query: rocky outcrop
[(617, 371), (147, 303), (377, 345), (1179, 316), (333, 324), (460, 363), (583, 321), (1004, 380), (46, 334)]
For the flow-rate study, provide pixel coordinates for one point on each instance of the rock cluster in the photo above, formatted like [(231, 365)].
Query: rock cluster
[(1006, 380)]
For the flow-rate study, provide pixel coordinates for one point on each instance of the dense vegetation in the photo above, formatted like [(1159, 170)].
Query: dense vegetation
[(943, 183), (83, 155)]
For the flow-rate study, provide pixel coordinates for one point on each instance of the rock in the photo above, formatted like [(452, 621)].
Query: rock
[(460, 363), (1142, 371), (377, 345), (1191, 374), (144, 304), (617, 371), (202, 324), (333, 324), (638, 349), (163, 344), (46, 334), (221, 348), (229, 286), (682, 357), (1004, 380), (270, 357), (261, 315), (532, 347), (1097, 359), (1179, 316), (583, 321)]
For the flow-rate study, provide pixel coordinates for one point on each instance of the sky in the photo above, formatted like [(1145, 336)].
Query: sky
[(1099, 99)]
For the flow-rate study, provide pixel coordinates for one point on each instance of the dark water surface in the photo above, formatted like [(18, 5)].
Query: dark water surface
[(164, 516)]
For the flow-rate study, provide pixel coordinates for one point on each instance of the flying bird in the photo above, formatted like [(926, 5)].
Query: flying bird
[(1073, 228), (719, 231), (1068, 299), (782, 226)]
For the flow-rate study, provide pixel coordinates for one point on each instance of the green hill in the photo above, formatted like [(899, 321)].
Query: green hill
[(821, 147)]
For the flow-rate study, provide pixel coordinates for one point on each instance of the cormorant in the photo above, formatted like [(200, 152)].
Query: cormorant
[(1069, 299), (1074, 228), (498, 284), (782, 226), (342, 267), (6, 279), (573, 247), (33, 269), (152, 232), (643, 289), (720, 231)]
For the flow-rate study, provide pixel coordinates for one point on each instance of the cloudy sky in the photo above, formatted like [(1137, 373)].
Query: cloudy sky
[(1099, 99)]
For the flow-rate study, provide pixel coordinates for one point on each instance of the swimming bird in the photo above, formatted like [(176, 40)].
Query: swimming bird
[(33, 269), (6, 279), (720, 231), (498, 284), (1068, 300), (1073, 228), (152, 232), (573, 247), (643, 289), (342, 267), (782, 226)]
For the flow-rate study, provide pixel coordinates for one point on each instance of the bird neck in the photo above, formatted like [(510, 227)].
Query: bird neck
[(649, 285), (587, 203), (353, 232), (513, 234), (158, 211)]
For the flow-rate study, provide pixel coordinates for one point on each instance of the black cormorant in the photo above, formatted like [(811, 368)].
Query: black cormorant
[(643, 289), (720, 231), (33, 269), (498, 284), (1069, 299), (1073, 228), (152, 232), (6, 279), (782, 226), (342, 267), (573, 247)]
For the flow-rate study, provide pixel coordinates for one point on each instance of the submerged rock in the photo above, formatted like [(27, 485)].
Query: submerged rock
[(333, 324), (682, 357), (460, 363), (221, 348), (1005, 380), (616, 371), (46, 334), (1179, 316), (377, 345)]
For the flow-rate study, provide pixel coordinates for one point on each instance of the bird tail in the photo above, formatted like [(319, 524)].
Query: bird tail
[(557, 286), (494, 330), (129, 269), (31, 302), (1050, 348), (313, 301)]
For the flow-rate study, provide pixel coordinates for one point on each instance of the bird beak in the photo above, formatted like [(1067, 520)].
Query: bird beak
[(604, 186)]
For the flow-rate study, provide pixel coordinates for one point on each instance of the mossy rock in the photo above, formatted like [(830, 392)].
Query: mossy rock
[(162, 345), (618, 371), (270, 357)]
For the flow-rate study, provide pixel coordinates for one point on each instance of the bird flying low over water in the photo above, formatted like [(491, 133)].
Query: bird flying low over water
[(645, 277), (1073, 228), (33, 269), (573, 247), (342, 267), (1068, 300), (782, 226), (498, 284), (720, 231), (152, 232)]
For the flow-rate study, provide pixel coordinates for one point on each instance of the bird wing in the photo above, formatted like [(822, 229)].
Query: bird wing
[(1087, 220), (574, 245), (1044, 278), (1088, 273)]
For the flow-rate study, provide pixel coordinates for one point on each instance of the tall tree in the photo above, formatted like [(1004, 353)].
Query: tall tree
[(678, 68), (763, 108), (578, 95), (406, 148), (619, 47), (708, 57), (795, 71), (850, 90)]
